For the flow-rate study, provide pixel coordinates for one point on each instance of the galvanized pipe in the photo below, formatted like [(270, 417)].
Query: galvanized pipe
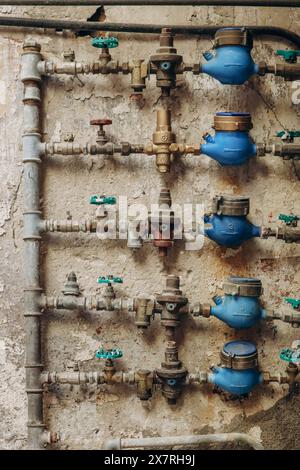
[(85, 303), (31, 159), (194, 440), (90, 26), (243, 3), (93, 377)]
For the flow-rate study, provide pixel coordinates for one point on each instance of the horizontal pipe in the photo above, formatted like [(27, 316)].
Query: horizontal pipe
[(243, 3), (86, 303), (194, 440), (141, 28), (93, 377), (229, 3)]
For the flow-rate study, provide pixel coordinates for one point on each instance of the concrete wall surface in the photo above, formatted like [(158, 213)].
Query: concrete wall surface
[(85, 417)]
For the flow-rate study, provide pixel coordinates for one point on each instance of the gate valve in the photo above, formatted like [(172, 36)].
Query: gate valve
[(288, 136), (295, 303), (109, 280), (289, 56), (105, 42), (102, 138), (289, 219), (102, 200), (111, 354), (109, 369)]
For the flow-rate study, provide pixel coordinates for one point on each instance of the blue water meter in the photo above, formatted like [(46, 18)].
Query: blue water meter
[(227, 223), (230, 62), (239, 372), (240, 306), (231, 145)]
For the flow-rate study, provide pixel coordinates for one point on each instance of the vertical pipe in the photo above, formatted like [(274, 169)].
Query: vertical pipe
[(31, 159)]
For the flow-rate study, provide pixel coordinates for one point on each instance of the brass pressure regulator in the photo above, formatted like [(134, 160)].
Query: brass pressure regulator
[(164, 144), (166, 63), (171, 304)]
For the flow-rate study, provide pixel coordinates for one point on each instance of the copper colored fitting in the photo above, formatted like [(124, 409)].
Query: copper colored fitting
[(162, 244), (233, 37), (241, 122)]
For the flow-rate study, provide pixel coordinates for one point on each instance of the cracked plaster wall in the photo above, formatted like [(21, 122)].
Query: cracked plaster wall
[(85, 417)]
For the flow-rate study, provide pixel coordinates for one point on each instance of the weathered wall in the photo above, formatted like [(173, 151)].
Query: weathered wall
[(86, 417)]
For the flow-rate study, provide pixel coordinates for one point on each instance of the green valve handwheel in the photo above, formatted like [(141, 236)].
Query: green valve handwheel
[(109, 280), (288, 135), (101, 200), (288, 219), (108, 42), (295, 303), (289, 56), (109, 353), (290, 355)]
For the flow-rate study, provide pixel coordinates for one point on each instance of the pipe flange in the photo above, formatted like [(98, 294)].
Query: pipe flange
[(233, 37), (239, 355), (231, 121), (243, 286), (231, 205)]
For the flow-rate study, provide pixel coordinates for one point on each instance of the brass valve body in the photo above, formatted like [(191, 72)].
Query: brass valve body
[(172, 375), (233, 123), (172, 302), (162, 139), (163, 223), (165, 63)]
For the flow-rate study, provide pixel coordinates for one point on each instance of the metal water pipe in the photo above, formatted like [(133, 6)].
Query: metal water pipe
[(231, 63), (231, 3), (238, 375), (231, 145), (90, 26), (31, 79), (186, 441)]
